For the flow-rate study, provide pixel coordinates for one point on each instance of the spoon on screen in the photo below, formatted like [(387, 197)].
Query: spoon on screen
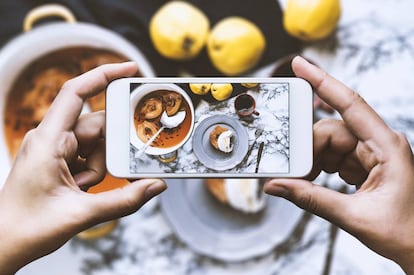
[(168, 122)]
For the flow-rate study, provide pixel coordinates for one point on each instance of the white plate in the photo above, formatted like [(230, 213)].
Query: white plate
[(212, 158), (218, 231)]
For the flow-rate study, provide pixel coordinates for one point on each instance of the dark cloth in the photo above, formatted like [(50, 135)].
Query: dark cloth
[(130, 18)]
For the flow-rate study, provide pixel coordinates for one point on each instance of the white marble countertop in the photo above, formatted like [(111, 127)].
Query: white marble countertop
[(374, 54)]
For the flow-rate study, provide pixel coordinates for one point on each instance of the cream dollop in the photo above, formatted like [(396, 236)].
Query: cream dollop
[(225, 141), (245, 194), (172, 121)]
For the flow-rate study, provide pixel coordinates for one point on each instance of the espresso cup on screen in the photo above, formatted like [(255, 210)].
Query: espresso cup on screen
[(245, 106)]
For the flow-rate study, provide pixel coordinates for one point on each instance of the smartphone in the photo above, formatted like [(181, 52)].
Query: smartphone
[(209, 127)]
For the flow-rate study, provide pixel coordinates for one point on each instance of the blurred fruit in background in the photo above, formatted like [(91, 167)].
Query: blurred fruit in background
[(179, 30), (221, 91), (235, 45), (249, 85), (200, 88), (311, 20), (98, 231), (103, 229)]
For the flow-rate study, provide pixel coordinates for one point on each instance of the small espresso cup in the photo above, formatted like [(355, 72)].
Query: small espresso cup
[(245, 105)]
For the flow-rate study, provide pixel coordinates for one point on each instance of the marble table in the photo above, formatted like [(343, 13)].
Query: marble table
[(373, 53)]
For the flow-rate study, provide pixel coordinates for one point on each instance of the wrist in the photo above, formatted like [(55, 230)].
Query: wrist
[(12, 256), (8, 258)]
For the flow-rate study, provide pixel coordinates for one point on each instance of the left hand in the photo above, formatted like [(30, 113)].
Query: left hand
[(42, 204)]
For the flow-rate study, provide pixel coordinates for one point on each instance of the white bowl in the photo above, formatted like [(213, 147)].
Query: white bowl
[(137, 95), (30, 46)]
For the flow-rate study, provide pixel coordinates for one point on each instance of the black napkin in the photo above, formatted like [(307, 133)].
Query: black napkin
[(130, 18)]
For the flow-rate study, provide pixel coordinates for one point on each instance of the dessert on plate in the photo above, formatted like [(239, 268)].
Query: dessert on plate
[(221, 138), (245, 195)]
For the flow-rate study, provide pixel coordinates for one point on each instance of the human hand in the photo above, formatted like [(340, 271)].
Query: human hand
[(367, 154), (42, 204)]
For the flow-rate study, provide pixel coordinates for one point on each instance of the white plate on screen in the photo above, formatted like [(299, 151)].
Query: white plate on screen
[(212, 158), (218, 231)]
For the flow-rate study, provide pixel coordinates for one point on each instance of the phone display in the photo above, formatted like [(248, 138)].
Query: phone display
[(188, 128)]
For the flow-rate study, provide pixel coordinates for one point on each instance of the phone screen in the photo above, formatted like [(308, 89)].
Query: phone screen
[(201, 128)]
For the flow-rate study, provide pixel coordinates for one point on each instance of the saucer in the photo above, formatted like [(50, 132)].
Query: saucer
[(218, 231), (213, 158)]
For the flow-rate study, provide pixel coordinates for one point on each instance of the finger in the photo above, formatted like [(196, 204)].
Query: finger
[(335, 150), (361, 119), (352, 171), (326, 203), (331, 162), (89, 129), (332, 141), (67, 106), (95, 169), (334, 136), (123, 201), (77, 165)]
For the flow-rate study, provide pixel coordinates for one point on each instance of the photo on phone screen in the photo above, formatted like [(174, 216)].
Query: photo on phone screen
[(248, 133)]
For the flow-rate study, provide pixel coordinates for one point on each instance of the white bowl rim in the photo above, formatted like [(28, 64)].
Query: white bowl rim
[(36, 43)]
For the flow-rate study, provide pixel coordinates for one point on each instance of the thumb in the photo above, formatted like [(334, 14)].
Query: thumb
[(328, 204), (123, 201)]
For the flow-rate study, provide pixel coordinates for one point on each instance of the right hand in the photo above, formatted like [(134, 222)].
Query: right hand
[(367, 154)]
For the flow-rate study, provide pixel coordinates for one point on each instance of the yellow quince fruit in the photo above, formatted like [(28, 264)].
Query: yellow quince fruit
[(249, 85), (235, 45), (200, 88), (221, 91), (179, 30), (311, 20)]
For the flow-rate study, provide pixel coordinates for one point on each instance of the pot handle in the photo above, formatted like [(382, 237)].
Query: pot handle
[(44, 11)]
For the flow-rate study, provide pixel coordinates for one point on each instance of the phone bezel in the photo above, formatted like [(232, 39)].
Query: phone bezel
[(118, 128)]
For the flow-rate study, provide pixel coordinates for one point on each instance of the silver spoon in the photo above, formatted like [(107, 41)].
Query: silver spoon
[(168, 122)]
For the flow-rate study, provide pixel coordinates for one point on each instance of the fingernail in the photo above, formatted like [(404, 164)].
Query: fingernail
[(299, 59), (276, 189), (154, 189)]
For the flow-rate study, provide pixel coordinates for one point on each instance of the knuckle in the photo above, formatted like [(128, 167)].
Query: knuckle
[(31, 134), (100, 174), (30, 138), (133, 201), (67, 144), (401, 141), (325, 125), (306, 199), (401, 138), (34, 144), (103, 67), (68, 85), (354, 100), (322, 81)]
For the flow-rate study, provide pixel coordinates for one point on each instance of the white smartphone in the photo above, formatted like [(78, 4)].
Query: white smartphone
[(209, 127)]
